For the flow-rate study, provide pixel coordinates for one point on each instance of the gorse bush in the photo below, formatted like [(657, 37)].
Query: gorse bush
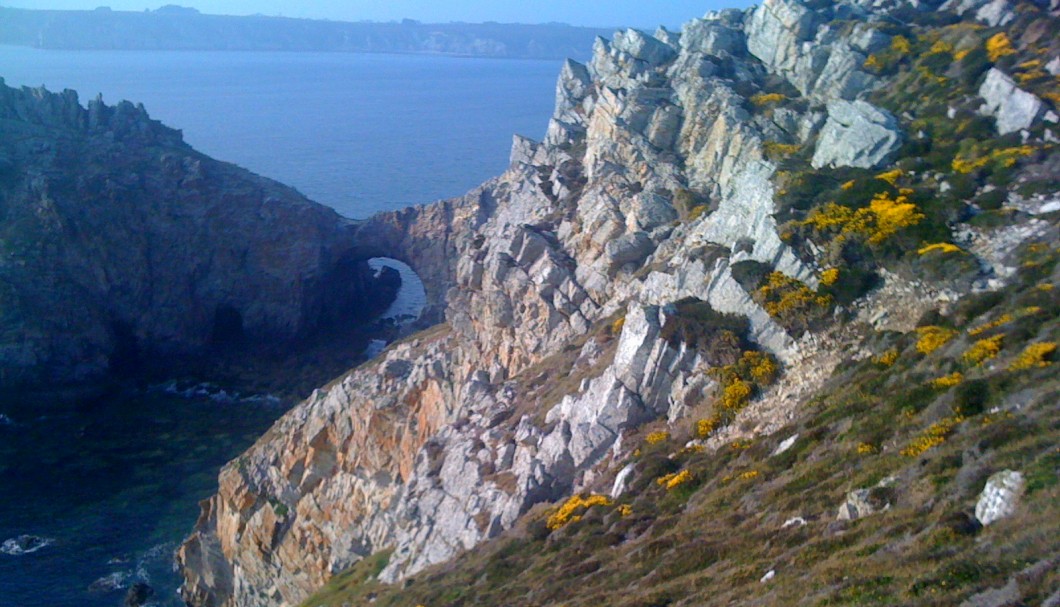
[(794, 305), (674, 479), (932, 338), (739, 383), (983, 350), (1034, 356), (572, 510), (933, 436)]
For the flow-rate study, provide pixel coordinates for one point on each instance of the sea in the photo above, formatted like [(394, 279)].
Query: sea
[(95, 495)]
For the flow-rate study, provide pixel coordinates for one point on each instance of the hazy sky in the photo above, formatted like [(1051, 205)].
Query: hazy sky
[(635, 13)]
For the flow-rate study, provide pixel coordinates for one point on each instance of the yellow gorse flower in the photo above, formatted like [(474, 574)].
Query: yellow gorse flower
[(1034, 355), (932, 338), (571, 511)]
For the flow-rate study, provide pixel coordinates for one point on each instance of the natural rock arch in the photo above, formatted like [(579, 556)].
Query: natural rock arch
[(427, 238)]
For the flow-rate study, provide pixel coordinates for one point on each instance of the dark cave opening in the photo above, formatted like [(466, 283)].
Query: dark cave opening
[(227, 329)]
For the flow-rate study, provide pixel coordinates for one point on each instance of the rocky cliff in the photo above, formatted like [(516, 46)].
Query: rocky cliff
[(716, 221), (118, 241)]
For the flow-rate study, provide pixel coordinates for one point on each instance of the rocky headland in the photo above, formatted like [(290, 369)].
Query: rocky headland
[(769, 316), (808, 221), (120, 245), (174, 27)]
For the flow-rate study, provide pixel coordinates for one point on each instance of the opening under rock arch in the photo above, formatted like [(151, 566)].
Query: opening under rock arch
[(411, 297)]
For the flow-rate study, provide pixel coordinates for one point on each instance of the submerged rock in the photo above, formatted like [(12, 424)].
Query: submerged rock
[(25, 544), (111, 582), (138, 595)]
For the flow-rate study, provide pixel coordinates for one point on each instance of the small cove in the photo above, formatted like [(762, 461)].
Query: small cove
[(107, 486)]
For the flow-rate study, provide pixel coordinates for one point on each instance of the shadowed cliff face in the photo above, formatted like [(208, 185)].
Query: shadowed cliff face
[(118, 241)]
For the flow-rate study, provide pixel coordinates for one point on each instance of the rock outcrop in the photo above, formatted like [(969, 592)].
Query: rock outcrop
[(801, 44), (856, 134), (1013, 108), (1000, 496)]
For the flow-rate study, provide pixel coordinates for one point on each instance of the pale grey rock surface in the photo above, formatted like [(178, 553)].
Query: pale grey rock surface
[(856, 134), (1012, 107), (796, 42), (1000, 496), (856, 505), (992, 12), (860, 503)]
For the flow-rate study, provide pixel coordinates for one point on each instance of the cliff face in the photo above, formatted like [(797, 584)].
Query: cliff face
[(117, 241), (659, 255)]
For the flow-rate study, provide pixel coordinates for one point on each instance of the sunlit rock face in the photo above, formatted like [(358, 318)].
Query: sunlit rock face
[(557, 280)]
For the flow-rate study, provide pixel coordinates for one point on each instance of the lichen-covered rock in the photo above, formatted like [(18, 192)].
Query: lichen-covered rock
[(856, 134), (1000, 496), (1012, 107)]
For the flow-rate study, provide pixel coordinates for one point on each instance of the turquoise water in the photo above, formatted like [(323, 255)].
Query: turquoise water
[(361, 133), (111, 486)]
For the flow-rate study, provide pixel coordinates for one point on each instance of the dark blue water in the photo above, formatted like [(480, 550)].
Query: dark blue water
[(360, 133), (113, 484)]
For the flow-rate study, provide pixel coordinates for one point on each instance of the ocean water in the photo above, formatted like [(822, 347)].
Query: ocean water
[(107, 488), (361, 133), (95, 496)]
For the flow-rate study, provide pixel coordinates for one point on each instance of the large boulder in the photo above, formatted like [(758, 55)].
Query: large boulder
[(1012, 107), (856, 134), (1000, 496), (643, 47), (776, 31)]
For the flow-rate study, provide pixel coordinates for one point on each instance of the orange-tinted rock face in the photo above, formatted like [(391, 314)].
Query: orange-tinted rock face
[(282, 508)]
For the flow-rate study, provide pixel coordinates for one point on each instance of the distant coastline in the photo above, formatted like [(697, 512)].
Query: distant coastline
[(179, 28)]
